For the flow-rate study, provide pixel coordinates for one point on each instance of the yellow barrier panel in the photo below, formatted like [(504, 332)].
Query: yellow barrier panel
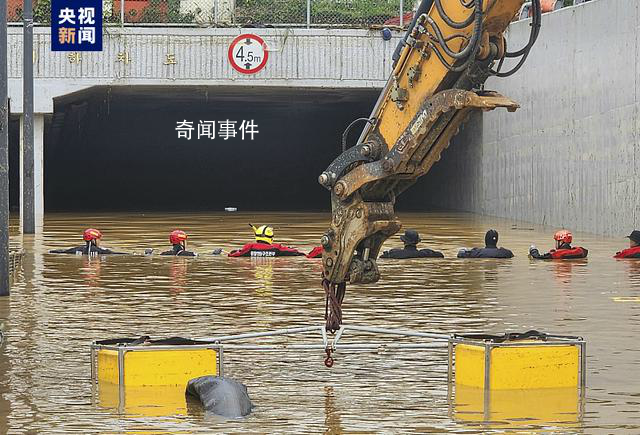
[(514, 361), (146, 366), (523, 367)]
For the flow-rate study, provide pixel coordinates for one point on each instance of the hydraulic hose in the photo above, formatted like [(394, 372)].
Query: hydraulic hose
[(449, 21), (473, 44), (535, 29), (472, 48), (348, 129), (524, 52), (424, 7)]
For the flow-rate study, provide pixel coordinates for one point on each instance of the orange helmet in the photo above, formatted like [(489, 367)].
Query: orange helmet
[(177, 237), (91, 234), (563, 236)]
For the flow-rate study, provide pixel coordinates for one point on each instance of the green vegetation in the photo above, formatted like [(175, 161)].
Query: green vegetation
[(42, 13), (361, 12), (349, 12), (164, 11)]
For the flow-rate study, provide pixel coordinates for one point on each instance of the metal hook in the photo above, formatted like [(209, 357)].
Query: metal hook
[(328, 361)]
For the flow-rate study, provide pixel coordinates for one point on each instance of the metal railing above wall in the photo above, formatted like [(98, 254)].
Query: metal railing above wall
[(241, 13), (551, 5)]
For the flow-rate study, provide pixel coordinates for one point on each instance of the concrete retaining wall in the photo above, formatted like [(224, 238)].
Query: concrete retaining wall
[(316, 58), (570, 157)]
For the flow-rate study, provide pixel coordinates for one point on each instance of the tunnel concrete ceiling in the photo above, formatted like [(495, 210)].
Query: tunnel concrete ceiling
[(263, 95)]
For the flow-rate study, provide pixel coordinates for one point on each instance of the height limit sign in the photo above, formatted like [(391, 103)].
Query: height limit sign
[(247, 54)]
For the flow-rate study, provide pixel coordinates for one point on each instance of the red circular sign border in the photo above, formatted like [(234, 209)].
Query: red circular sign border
[(237, 67)]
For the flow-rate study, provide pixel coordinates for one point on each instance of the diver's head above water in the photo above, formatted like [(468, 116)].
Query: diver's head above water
[(263, 234), (178, 239), (92, 236), (491, 239), (410, 238), (563, 239), (634, 239)]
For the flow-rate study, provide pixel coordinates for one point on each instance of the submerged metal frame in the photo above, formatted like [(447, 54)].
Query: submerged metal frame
[(220, 343), (437, 341), (123, 349), (551, 340)]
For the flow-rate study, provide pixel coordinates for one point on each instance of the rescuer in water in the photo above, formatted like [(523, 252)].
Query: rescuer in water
[(634, 246), (178, 239), (490, 250), (92, 238), (563, 251), (315, 252), (264, 246), (411, 238)]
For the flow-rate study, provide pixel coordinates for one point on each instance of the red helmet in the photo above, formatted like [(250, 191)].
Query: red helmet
[(177, 237), (91, 234), (563, 236)]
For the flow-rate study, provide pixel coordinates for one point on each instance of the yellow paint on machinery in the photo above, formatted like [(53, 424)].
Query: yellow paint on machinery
[(540, 365), (560, 406), (156, 367), (155, 401), (392, 119)]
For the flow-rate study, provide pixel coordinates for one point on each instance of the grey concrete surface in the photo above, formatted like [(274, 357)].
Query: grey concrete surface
[(570, 156), (137, 56)]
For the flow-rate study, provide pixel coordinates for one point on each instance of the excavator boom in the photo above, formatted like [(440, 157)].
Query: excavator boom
[(440, 66)]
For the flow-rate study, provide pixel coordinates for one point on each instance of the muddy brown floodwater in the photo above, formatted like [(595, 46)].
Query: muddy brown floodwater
[(61, 303)]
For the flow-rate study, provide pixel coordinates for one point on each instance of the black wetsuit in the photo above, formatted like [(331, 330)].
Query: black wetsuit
[(411, 251), (179, 251), (487, 252), (87, 249)]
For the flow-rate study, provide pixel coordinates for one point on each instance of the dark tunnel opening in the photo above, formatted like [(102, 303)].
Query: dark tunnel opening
[(118, 149)]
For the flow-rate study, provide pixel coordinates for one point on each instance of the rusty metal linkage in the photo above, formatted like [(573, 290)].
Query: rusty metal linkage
[(419, 111)]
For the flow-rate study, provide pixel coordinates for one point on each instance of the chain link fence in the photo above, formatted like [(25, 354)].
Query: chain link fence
[(256, 13), (237, 13)]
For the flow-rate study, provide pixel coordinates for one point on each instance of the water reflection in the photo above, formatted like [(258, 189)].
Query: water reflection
[(178, 274), (332, 418), (90, 270), (143, 401), (633, 270), (518, 409), (563, 272), (263, 274)]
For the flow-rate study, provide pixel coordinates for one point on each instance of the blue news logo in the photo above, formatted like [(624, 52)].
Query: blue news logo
[(76, 25)]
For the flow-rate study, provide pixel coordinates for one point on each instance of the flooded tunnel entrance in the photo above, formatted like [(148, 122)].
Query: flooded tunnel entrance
[(117, 148)]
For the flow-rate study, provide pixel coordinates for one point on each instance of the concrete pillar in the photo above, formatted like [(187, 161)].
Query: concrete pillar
[(33, 182)]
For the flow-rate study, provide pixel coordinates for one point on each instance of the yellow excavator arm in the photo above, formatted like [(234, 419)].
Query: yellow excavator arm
[(440, 66)]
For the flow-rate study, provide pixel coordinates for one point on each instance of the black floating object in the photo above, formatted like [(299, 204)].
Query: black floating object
[(221, 396), (217, 251)]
